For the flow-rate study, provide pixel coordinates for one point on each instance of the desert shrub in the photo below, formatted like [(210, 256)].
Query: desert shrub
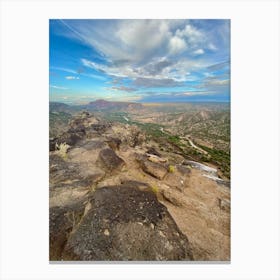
[(155, 189), (171, 168), (175, 139), (62, 149)]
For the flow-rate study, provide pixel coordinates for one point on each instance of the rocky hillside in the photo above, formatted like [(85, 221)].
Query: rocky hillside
[(104, 105), (116, 195)]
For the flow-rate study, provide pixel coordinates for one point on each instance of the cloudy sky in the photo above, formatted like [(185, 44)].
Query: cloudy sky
[(139, 60)]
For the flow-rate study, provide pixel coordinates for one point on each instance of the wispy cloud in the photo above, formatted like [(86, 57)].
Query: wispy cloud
[(64, 69), (58, 87), (123, 88), (193, 93), (182, 93), (155, 71), (216, 82), (149, 82), (219, 66), (212, 47), (72, 78), (78, 71)]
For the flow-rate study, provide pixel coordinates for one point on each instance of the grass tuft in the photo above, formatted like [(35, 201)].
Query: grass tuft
[(155, 189), (171, 168), (62, 150)]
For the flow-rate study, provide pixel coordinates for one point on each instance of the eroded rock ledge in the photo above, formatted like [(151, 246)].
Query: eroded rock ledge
[(119, 223)]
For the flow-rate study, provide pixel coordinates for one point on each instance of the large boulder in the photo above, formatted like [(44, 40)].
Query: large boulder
[(100, 127), (153, 151), (126, 223), (65, 196), (77, 129), (62, 220), (156, 159), (114, 143), (72, 174), (70, 138), (52, 143), (92, 144), (110, 160), (66, 173), (62, 171), (156, 170), (173, 197)]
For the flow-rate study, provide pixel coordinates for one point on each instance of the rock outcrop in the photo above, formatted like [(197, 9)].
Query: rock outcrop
[(155, 169), (62, 220), (110, 160), (125, 223)]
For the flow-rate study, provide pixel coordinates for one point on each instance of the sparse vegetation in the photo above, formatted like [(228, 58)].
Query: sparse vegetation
[(221, 158), (175, 139), (62, 150), (155, 189), (171, 168), (58, 122), (169, 125), (121, 117)]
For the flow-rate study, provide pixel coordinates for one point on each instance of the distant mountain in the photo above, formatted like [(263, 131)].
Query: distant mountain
[(97, 105), (60, 107), (104, 105)]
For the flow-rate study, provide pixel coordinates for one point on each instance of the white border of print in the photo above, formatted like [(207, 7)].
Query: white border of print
[(255, 138)]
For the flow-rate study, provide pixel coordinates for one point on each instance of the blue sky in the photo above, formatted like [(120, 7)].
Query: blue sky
[(139, 60)]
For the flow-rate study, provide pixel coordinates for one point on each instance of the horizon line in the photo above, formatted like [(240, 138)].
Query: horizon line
[(145, 102)]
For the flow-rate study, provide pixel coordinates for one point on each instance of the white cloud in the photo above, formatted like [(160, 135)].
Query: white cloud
[(192, 93), (137, 41), (121, 97), (64, 69), (145, 49), (58, 87), (117, 71), (143, 38), (199, 51), (189, 93), (158, 71), (177, 45), (150, 82), (191, 34), (212, 47), (216, 82), (122, 88), (72, 78)]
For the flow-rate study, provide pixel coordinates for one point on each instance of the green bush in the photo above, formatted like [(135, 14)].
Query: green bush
[(171, 168), (155, 189)]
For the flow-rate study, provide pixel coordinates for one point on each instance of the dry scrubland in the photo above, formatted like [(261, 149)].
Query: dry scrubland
[(139, 182)]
